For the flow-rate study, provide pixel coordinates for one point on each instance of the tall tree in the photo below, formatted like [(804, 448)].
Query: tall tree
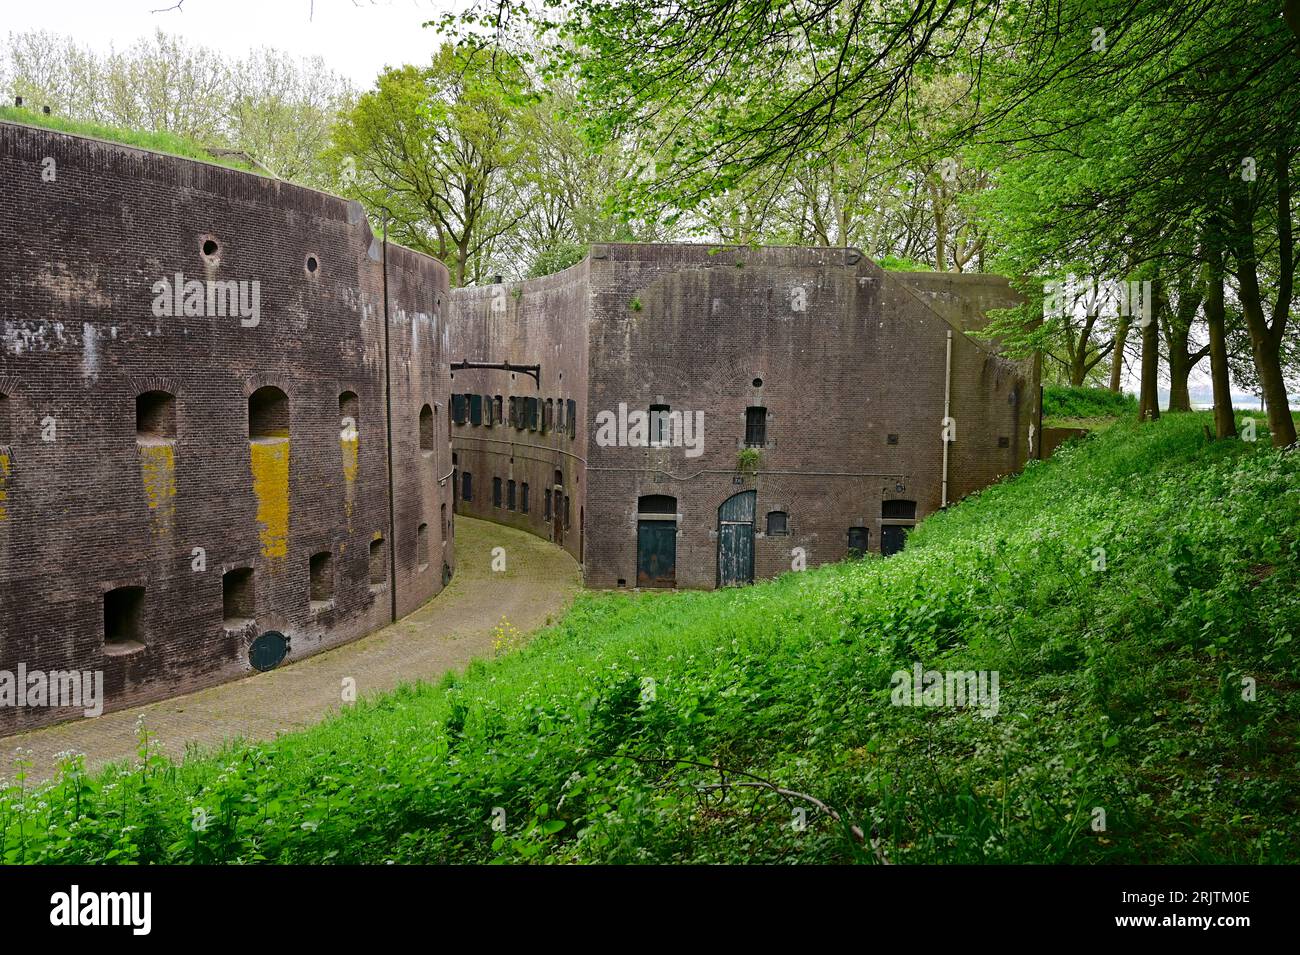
[(442, 148)]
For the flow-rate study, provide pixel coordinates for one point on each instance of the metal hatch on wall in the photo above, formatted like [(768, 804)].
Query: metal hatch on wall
[(268, 650), (736, 539)]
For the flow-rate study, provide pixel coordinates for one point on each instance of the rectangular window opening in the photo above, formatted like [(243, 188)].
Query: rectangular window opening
[(378, 563), (123, 620), (321, 569), (422, 548), (238, 598), (755, 427)]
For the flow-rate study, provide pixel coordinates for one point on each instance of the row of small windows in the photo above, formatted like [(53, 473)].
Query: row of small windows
[(268, 417), (124, 618), (521, 413), (661, 426), (520, 494), (511, 487), (778, 522)]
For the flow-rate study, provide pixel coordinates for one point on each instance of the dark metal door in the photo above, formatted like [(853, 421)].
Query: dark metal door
[(859, 541), (656, 554), (736, 539), (892, 539)]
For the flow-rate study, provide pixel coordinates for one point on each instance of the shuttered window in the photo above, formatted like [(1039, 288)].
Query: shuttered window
[(755, 427)]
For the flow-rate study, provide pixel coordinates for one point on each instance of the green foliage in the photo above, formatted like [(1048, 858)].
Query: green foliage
[(747, 460), (557, 258), (1063, 402), (268, 106), (901, 263), (1121, 690), (443, 148)]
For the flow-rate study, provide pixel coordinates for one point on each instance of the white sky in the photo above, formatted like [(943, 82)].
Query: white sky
[(356, 38)]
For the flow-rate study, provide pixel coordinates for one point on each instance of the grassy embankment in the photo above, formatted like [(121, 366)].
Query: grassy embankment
[(157, 142), (1130, 592), (1089, 408)]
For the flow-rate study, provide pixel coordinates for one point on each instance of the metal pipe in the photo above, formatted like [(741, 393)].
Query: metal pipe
[(947, 417), (388, 421)]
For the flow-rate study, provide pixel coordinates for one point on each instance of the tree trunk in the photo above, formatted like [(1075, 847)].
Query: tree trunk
[(1225, 425), (1149, 398), (1117, 359), (1181, 359), (1177, 327), (1078, 372), (1180, 369), (1265, 342)]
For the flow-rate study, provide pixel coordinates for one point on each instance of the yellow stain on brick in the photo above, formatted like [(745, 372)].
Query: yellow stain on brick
[(269, 459), (350, 446), (4, 481), (158, 474)]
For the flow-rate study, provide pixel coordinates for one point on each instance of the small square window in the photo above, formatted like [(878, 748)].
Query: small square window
[(891, 439)]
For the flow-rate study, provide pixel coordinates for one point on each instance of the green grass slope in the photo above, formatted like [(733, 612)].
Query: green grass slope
[(168, 143), (660, 727), (1085, 407)]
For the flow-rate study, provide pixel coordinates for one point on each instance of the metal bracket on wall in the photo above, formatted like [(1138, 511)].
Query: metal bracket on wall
[(533, 370)]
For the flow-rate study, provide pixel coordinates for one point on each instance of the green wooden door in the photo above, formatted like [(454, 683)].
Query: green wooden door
[(736, 539), (656, 554)]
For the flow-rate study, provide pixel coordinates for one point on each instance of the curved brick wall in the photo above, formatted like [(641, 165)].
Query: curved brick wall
[(847, 360), (539, 321), (103, 492)]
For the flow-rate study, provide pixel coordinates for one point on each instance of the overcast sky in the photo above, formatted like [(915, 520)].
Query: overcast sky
[(356, 37)]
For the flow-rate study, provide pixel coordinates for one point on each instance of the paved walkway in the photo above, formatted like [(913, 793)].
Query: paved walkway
[(445, 634)]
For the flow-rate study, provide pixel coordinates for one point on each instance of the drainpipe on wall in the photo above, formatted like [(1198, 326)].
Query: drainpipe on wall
[(388, 421), (947, 399)]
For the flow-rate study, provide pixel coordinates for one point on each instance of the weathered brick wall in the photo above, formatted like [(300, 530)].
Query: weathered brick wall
[(88, 507), (841, 354), (999, 397), (849, 362), (694, 327), (419, 343), (541, 321)]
